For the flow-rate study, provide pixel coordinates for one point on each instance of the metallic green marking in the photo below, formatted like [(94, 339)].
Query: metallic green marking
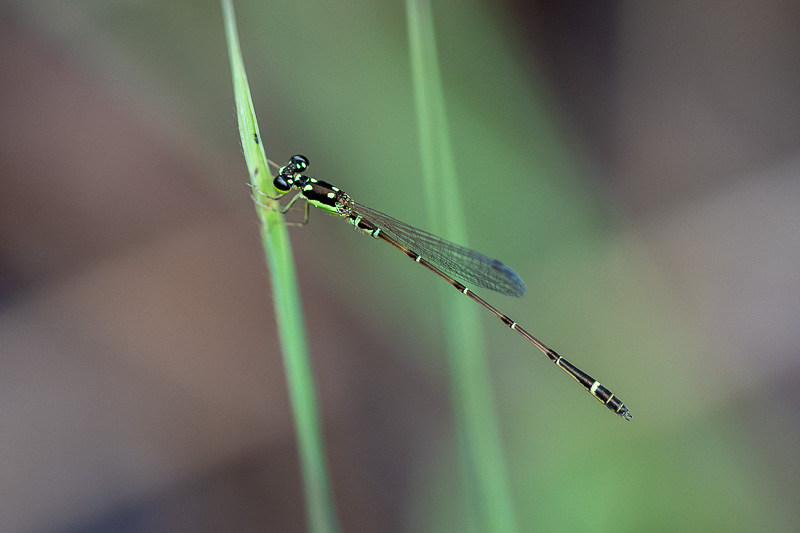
[(325, 207)]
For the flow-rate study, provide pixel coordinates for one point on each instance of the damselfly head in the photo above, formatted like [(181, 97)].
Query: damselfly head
[(287, 174)]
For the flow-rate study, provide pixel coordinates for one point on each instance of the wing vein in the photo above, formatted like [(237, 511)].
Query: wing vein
[(462, 263)]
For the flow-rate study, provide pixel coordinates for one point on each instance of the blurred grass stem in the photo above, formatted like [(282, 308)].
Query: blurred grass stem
[(487, 495)]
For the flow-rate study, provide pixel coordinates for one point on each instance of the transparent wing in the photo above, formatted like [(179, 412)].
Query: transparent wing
[(462, 263)]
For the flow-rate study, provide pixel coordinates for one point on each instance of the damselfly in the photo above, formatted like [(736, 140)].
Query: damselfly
[(447, 260)]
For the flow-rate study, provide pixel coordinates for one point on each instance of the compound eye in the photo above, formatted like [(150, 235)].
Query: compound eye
[(300, 163), (281, 183)]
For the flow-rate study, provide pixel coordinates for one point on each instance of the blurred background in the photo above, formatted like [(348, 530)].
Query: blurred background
[(636, 163)]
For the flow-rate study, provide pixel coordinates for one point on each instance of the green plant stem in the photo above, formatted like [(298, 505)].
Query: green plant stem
[(487, 495), (320, 508)]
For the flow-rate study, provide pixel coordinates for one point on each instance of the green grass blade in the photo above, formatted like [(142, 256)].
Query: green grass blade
[(291, 330), (487, 494)]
